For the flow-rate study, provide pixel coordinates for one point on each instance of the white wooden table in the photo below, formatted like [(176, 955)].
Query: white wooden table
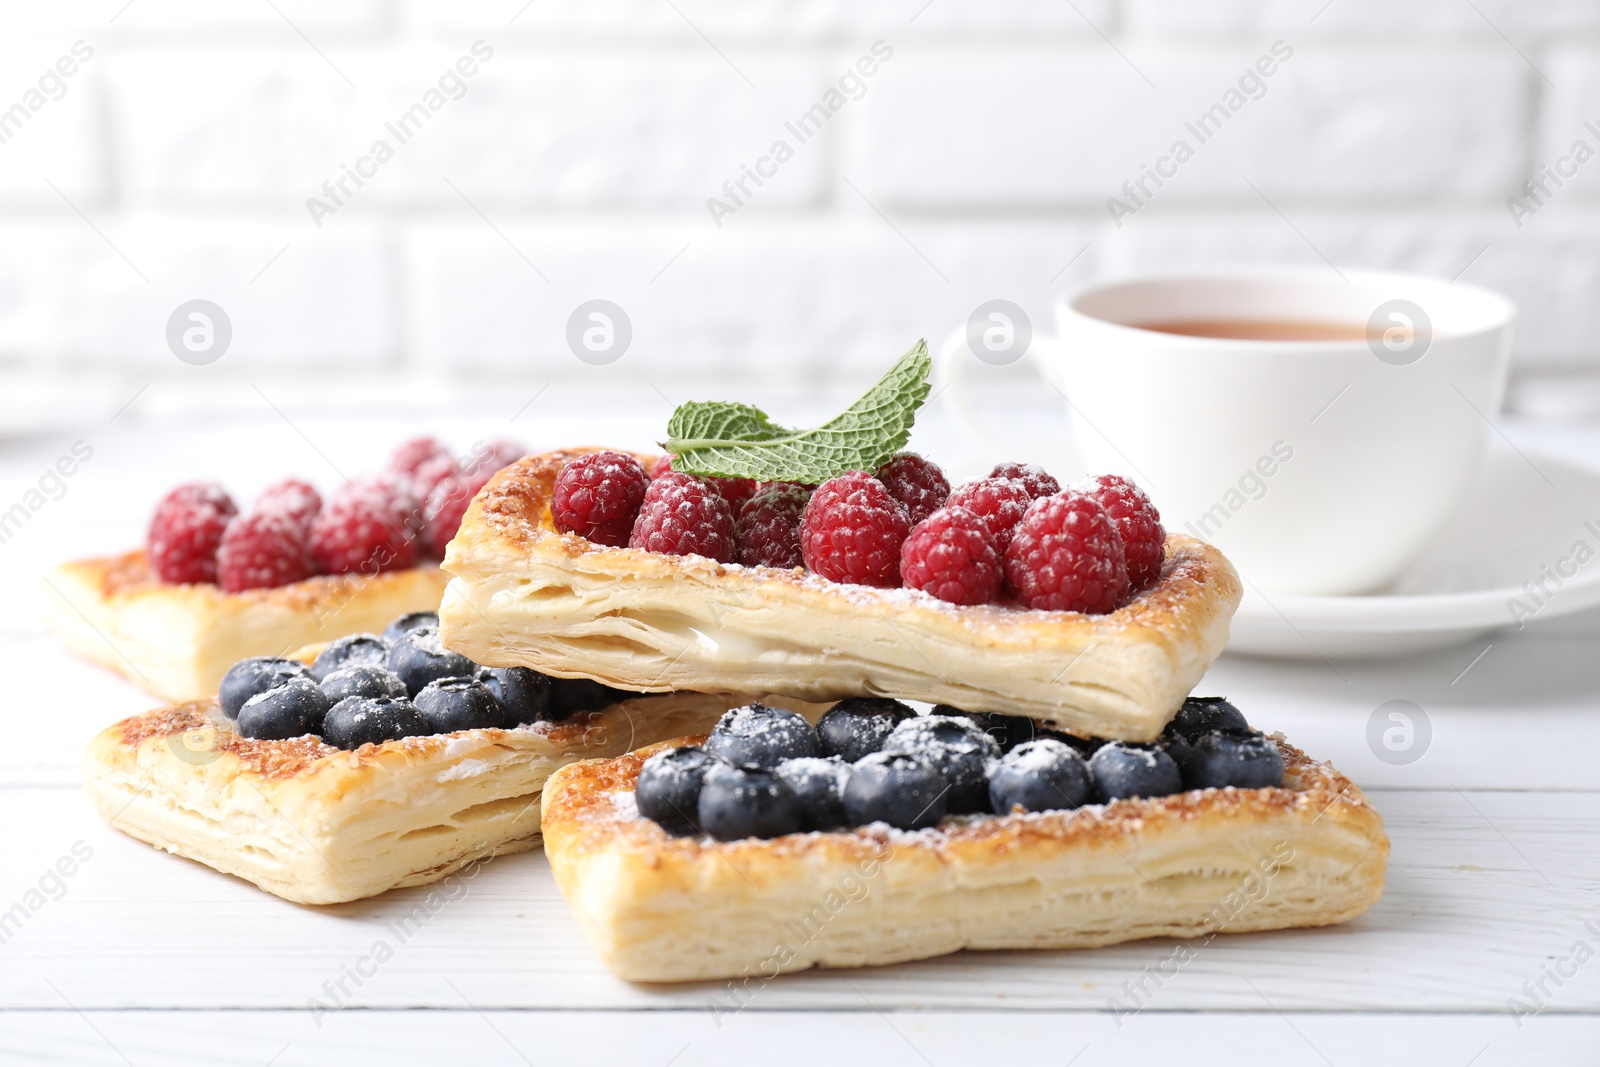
[(142, 958)]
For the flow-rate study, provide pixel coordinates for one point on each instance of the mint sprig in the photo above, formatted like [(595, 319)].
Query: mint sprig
[(714, 438)]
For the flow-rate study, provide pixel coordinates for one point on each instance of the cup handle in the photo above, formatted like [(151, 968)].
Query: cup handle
[(951, 360), (1062, 454)]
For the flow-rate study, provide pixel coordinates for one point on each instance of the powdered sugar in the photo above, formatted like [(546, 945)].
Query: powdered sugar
[(624, 806), (426, 638), (809, 772), (296, 500), (1032, 477), (933, 737), (1146, 756), (408, 456), (1038, 756)]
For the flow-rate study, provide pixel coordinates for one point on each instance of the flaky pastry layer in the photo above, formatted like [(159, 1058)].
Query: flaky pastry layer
[(319, 825), (177, 641), (523, 594), (658, 908)]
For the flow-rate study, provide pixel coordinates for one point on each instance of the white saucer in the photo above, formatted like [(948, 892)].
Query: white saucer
[(1513, 527)]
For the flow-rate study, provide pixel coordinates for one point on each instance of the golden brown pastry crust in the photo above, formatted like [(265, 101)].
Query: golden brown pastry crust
[(177, 641), (320, 825), (525, 594), (657, 908)]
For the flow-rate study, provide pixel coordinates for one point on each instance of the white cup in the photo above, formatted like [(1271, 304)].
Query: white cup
[(1317, 466)]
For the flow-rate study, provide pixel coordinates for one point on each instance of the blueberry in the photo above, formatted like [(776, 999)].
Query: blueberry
[(570, 696), (452, 704), (855, 727), (1201, 715), (1083, 746), (957, 748), (1248, 760), (669, 788), (762, 736), (1178, 747), (357, 721), (292, 709), (356, 650), (897, 788), (819, 783), (254, 675), (362, 681), (1008, 731), (738, 802), (523, 694), (410, 621), (418, 658), (1042, 775), (1122, 770)]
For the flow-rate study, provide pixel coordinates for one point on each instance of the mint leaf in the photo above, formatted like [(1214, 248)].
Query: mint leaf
[(722, 439), (725, 421)]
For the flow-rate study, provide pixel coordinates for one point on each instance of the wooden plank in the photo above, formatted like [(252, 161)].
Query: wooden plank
[(1507, 720), (1486, 890), (776, 1039)]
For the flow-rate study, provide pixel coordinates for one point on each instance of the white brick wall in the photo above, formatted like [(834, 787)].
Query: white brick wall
[(175, 163), (776, 298), (1058, 129)]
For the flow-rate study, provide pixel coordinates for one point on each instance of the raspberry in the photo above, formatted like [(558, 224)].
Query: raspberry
[(1067, 556), (187, 526), (683, 516), (401, 493), (598, 496), (263, 550), (917, 483), (999, 502), (1033, 478), (292, 498), (445, 507), (852, 529), (1143, 539), (951, 554), (768, 530), (409, 456), (493, 457), (431, 473), (734, 490), (442, 513), (364, 528)]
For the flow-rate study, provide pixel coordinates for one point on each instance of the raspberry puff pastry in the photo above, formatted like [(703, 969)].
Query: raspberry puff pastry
[(177, 641), (659, 908), (317, 824), (523, 594)]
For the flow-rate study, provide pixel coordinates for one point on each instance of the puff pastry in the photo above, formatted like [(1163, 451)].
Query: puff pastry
[(320, 825), (177, 641), (657, 908), (523, 594)]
